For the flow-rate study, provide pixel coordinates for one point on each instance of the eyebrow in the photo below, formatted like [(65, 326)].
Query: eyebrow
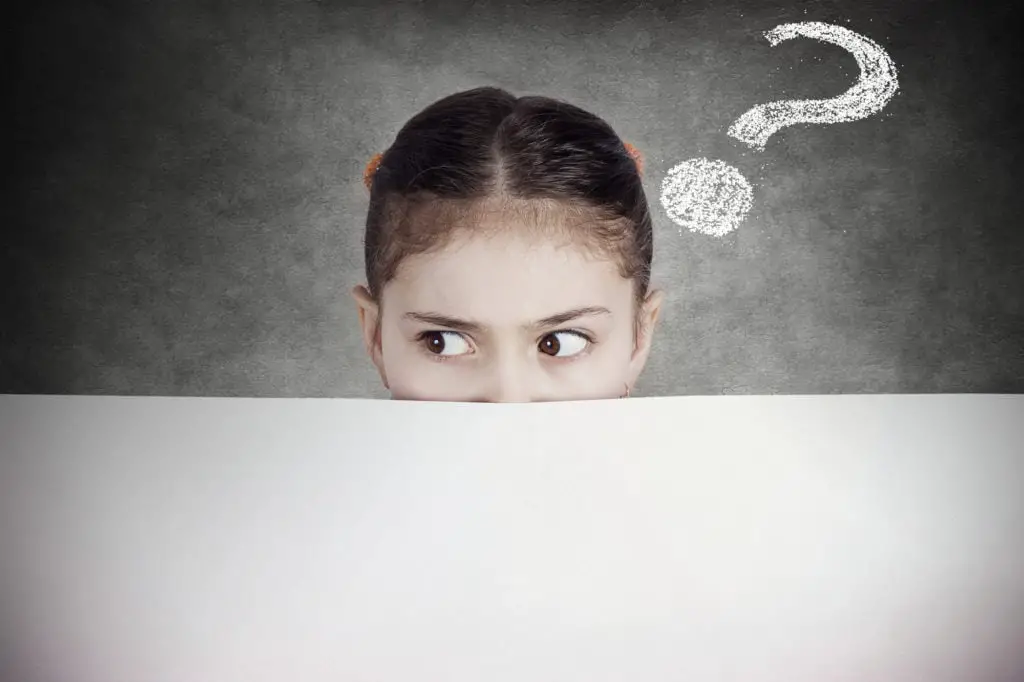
[(471, 327)]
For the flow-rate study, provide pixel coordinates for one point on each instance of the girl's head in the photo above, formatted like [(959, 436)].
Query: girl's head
[(508, 255)]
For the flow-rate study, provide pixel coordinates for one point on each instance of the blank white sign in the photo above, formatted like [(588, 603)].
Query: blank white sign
[(748, 539)]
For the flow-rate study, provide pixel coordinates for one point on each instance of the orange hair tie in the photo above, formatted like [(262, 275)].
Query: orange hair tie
[(371, 170), (637, 157)]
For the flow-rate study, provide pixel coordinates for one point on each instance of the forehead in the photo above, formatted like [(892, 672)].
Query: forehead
[(507, 278)]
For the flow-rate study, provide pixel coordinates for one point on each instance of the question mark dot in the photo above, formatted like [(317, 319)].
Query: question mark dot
[(710, 197)]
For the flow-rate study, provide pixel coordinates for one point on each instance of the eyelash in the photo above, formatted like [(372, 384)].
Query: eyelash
[(422, 337)]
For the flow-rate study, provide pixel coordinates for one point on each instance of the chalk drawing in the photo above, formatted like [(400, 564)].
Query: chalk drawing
[(712, 197), (869, 95), (706, 196)]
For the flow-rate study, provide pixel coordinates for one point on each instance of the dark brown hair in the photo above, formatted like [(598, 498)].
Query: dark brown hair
[(485, 150)]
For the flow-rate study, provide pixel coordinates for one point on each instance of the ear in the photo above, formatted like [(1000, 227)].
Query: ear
[(649, 315), (369, 319)]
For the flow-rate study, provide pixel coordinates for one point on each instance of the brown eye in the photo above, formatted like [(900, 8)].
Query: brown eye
[(435, 342), (550, 345), (443, 343), (564, 344)]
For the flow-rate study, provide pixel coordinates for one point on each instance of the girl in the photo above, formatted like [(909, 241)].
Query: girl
[(508, 254)]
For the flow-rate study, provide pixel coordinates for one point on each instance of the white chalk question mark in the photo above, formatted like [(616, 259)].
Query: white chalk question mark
[(712, 197)]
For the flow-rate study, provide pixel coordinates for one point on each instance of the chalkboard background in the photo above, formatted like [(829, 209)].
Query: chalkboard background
[(187, 206)]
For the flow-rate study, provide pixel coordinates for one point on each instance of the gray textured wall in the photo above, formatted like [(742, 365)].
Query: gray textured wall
[(187, 208)]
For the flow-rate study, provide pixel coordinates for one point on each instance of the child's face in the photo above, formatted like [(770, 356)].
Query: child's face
[(476, 322)]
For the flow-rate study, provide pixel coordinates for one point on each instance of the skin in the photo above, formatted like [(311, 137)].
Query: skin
[(505, 287)]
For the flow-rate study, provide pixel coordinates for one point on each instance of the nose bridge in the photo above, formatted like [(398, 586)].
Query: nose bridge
[(509, 380)]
